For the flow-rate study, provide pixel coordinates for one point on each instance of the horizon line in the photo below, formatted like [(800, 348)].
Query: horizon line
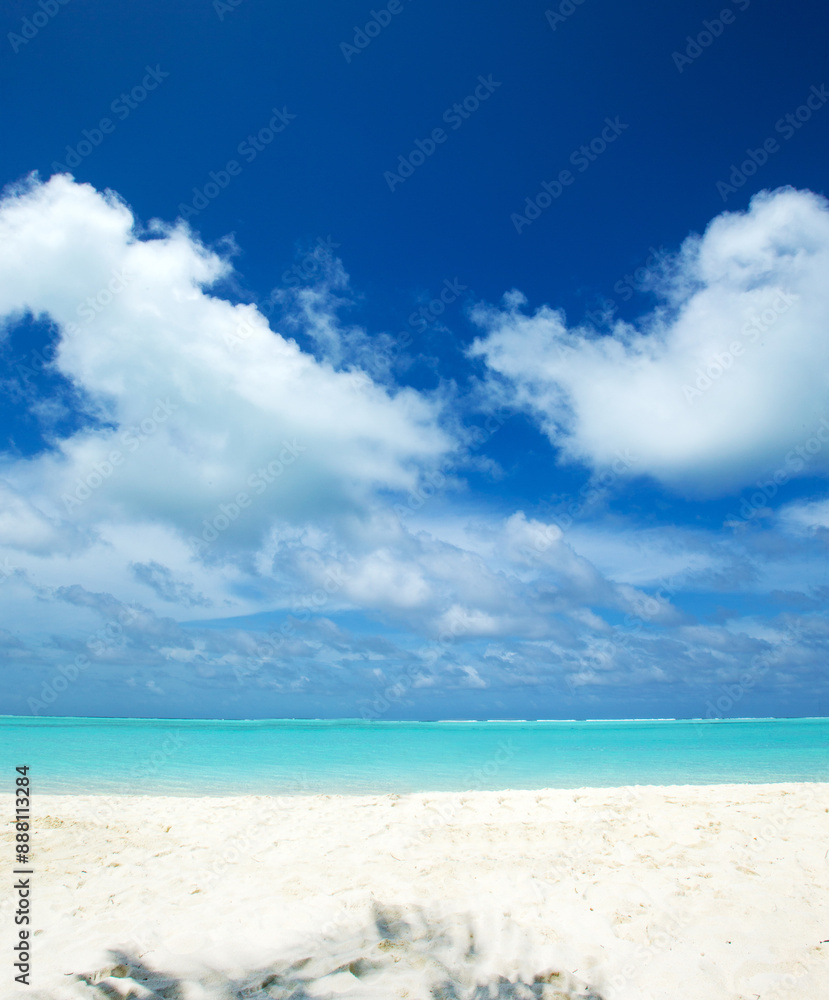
[(127, 718)]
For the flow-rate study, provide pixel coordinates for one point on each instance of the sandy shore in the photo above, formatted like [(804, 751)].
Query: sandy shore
[(646, 893)]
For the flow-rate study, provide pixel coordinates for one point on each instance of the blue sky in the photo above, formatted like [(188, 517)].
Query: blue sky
[(408, 362)]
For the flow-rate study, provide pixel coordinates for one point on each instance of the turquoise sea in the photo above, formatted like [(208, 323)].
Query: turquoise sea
[(278, 757)]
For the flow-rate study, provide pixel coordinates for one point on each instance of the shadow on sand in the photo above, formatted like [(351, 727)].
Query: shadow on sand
[(391, 958)]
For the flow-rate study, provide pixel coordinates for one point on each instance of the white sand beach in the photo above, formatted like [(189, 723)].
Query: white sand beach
[(639, 893)]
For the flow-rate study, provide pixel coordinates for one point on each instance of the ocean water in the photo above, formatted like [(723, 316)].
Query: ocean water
[(278, 757)]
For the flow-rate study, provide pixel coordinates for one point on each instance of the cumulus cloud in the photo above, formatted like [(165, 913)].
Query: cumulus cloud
[(199, 400), (711, 389), (462, 577)]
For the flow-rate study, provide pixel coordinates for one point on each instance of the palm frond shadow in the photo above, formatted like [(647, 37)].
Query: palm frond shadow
[(434, 960)]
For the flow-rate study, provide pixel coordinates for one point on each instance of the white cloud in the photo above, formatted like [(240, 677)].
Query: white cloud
[(712, 389), (806, 517), (669, 558), (202, 399), (22, 526)]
